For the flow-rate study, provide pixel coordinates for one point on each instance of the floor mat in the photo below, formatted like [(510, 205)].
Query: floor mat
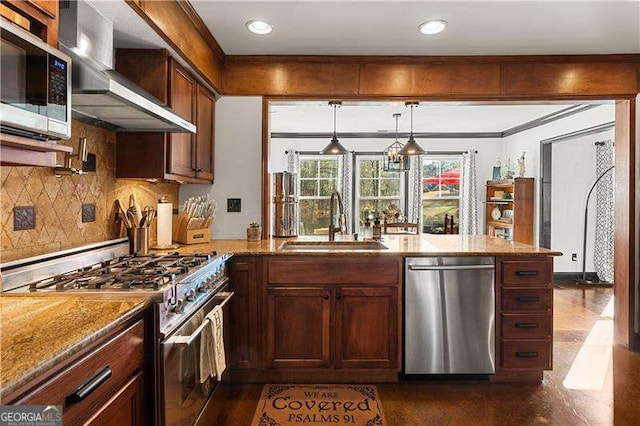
[(319, 405)]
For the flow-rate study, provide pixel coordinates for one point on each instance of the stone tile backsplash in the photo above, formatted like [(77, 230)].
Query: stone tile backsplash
[(58, 201)]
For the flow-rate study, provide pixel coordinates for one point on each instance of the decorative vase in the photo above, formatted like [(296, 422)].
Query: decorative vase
[(495, 214), (254, 233)]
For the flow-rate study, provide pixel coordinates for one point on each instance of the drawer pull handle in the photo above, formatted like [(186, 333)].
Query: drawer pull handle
[(527, 299), (527, 325), (527, 354), (89, 387), (527, 273)]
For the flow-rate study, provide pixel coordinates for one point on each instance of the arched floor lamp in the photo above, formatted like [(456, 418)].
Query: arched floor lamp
[(584, 236)]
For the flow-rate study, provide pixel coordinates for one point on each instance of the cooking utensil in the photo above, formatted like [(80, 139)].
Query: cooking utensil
[(122, 214), (148, 213)]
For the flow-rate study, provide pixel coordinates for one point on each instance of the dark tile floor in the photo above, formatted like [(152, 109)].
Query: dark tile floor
[(577, 310)]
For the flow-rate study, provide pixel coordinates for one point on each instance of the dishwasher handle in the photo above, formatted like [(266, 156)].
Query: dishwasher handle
[(448, 268)]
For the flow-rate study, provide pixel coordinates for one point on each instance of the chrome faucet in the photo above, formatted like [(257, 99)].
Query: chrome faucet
[(332, 227)]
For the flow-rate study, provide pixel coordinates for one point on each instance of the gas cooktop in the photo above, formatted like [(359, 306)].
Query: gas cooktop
[(133, 272)]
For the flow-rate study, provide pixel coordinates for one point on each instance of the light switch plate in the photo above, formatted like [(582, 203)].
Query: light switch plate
[(234, 205)]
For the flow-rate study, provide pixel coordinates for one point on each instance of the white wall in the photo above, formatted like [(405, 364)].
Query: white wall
[(529, 141), (238, 172), (488, 150), (573, 172)]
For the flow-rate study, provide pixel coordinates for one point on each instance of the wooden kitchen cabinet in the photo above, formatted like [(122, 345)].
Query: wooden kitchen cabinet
[(298, 327), (182, 99), (366, 330), (243, 313), (322, 319), (524, 313), (39, 17), (124, 408), (101, 386), (181, 157)]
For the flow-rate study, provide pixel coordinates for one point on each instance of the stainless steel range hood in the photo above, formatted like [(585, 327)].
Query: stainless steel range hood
[(100, 95)]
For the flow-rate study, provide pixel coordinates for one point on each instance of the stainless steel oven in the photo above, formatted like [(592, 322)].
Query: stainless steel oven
[(35, 90), (182, 395)]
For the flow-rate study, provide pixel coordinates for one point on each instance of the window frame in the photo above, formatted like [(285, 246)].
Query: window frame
[(317, 158), (402, 196), (440, 158)]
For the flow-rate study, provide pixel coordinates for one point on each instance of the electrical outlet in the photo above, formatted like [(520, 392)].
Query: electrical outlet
[(234, 205), (574, 257)]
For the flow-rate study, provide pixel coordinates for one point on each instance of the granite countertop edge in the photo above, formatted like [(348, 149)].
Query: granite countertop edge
[(13, 385)]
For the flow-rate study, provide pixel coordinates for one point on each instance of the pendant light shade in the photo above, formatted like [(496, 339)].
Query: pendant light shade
[(412, 148), (393, 160), (334, 147)]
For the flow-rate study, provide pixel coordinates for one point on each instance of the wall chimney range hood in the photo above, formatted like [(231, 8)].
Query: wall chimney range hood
[(101, 96)]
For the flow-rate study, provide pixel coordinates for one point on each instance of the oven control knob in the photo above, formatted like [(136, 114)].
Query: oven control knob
[(178, 307), (191, 295), (201, 288)]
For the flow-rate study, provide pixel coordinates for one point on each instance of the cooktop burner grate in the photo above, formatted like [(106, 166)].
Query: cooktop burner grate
[(147, 272)]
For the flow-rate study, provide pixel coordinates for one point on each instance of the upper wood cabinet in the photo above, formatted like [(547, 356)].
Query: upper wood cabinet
[(182, 99), (181, 157), (40, 17)]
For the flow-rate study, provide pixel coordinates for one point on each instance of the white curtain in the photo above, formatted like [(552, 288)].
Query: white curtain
[(345, 170), (293, 161), (414, 209), (468, 221), (603, 255)]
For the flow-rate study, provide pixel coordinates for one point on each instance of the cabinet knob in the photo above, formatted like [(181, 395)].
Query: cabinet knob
[(326, 297), (338, 296)]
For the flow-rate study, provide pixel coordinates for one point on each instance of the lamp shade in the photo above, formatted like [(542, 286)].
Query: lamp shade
[(334, 148), (412, 148)]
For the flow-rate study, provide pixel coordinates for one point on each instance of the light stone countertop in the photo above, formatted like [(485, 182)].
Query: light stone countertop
[(398, 245), (39, 331)]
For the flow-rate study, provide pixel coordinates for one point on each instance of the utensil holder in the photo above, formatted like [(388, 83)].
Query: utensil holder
[(138, 240)]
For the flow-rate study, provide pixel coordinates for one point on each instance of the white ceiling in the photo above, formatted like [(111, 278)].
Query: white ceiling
[(390, 27), (433, 117)]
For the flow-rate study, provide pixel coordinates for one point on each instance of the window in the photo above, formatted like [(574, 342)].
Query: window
[(440, 192), (376, 189), (318, 178)]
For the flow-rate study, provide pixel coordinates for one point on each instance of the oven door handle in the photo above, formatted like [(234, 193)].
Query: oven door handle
[(184, 341)]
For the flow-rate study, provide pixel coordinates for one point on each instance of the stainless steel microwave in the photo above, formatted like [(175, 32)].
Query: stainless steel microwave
[(35, 86)]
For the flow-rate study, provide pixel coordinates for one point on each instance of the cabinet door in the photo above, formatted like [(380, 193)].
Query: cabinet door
[(366, 327), (298, 327), (243, 315), (182, 97), (125, 408), (206, 104)]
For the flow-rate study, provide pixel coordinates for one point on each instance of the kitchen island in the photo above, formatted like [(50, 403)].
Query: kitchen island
[(335, 313)]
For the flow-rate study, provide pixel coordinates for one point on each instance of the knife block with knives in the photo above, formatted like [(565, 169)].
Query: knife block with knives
[(195, 220)]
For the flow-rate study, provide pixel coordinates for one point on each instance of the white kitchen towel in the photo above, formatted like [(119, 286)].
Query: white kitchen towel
[(207, 366), (216, 318)]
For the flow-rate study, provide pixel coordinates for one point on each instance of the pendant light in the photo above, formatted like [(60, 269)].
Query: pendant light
[(393, 161), (334, 147), (412, 148)]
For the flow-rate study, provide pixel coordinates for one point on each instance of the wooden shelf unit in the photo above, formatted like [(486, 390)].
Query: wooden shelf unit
[(521, 202)]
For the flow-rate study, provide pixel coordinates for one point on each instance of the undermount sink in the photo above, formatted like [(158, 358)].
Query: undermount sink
[(333, 245)]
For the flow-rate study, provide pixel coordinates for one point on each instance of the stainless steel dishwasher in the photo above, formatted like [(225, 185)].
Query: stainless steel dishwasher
[(449, 315)]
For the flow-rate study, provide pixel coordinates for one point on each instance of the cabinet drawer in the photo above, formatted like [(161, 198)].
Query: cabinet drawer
[(335, 271), (534, 354), (85, 386), (517, 273), (526, 326), (527, 299)]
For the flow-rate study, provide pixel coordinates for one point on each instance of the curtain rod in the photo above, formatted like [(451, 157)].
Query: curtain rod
[(381, 153)]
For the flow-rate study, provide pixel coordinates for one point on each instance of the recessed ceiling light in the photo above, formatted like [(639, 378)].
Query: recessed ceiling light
[(433, 26), (259, 27)]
